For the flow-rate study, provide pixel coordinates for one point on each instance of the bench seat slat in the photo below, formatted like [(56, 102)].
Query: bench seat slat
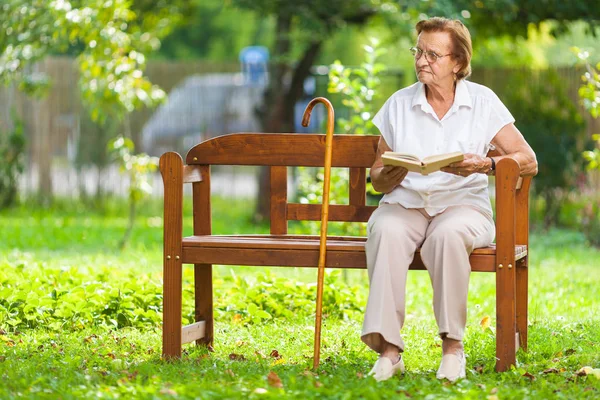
[(302, 251)]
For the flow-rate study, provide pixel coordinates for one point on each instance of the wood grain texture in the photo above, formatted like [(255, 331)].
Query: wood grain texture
[(193, 332), (507, 174), (171, 168), (522, 236), (284, 149), (278, 195), (337, 212), (192, 173), (357, 187), (203, 287)]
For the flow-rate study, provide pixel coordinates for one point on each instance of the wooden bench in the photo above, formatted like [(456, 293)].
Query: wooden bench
[(508, 258)]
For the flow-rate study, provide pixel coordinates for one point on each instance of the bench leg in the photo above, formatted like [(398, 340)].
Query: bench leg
[(203, 294), (522, 283), (506, 326), (172, 309)]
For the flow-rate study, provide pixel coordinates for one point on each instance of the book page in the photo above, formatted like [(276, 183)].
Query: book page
[(456, 156), (404, 156)]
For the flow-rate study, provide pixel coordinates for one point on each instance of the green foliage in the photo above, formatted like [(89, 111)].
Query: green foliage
[(12, 148), (358, 87), (74, 297), (62, 352), (510, 16), (553, 127), (110, 38), (589, 92), (138, 169)]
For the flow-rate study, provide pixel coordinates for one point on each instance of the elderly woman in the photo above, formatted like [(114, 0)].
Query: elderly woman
[(447, 213)]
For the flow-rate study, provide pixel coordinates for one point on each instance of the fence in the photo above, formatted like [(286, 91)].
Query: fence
[(66, 151)]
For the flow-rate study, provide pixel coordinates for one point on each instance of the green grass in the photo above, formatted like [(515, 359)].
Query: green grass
[(81, 319)]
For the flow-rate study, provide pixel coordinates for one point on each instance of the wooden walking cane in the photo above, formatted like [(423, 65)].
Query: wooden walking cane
[(324, 216)]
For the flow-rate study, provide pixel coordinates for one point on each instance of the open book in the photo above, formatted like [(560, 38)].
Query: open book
[(425, 166)]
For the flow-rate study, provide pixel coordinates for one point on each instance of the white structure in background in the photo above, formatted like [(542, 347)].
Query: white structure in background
[(201, 107)]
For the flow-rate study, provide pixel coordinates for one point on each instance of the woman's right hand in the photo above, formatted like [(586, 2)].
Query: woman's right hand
[(385, 177)]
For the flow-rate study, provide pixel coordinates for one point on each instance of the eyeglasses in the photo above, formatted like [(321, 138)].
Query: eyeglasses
[(430, 56)]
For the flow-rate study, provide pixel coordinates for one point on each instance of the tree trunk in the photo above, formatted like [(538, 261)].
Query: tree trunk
[(277, 114)]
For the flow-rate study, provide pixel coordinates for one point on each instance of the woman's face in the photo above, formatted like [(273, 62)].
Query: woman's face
[(434, 63)]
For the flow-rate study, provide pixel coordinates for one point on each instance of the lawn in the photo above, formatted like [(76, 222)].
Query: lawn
[(81, 319)]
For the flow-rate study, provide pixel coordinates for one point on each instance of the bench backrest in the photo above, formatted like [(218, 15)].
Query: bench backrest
[(278, 151)]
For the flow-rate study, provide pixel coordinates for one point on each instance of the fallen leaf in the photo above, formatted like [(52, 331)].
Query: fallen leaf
[(494, 390), (317, 384), (260, 354), (274, 380), (528, 375), (2, 332), (360, 375), (478, 369), (229, 372), (237, 357), (485, 322), (275, 354), (308, 373), (550, 371)]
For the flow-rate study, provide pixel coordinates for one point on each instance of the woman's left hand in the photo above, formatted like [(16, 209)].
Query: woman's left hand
[(472, 164)]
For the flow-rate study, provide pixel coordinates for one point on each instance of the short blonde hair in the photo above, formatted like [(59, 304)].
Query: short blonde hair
[(462, 49)]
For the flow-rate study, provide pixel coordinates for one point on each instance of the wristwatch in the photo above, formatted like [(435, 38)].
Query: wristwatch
[(492, 170)]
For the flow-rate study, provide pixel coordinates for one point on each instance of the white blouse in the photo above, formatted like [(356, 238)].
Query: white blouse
[(409, 124)]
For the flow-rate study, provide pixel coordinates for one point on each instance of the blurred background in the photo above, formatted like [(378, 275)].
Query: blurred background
[(92, 91)]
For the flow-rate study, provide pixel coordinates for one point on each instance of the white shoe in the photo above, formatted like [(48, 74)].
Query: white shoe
[(384, 369), (452, 367)]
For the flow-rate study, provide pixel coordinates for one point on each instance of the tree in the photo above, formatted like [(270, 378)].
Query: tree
[(308, 24), (109, 39), (312, 22)]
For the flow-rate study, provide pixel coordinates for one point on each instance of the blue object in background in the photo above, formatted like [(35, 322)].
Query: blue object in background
[(254, 61)]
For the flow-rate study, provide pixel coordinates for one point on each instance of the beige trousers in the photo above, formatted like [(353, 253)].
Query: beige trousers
[(446, 240)]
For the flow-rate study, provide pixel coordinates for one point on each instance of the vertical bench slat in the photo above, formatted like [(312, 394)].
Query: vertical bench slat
[(203, 287), (357, 186), (278, 178)]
